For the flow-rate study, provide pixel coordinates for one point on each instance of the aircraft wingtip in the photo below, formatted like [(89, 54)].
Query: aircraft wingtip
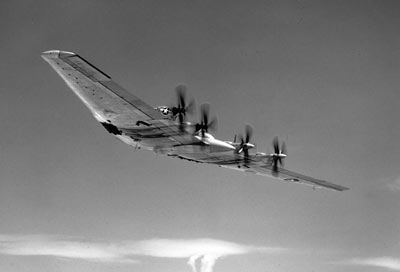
[(341, 188), (51, 54)]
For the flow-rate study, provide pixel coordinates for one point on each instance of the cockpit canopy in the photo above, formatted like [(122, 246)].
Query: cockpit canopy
[(164, 110)]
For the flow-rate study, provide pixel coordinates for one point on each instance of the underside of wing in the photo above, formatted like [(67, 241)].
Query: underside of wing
[(118, 110), (287, 175), (105, 98), (259, 166)]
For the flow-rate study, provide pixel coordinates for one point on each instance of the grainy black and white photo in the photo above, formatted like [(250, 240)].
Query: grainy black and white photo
[(199, 136)]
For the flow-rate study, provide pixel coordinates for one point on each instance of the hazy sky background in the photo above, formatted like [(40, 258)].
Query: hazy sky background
[(322, 74)]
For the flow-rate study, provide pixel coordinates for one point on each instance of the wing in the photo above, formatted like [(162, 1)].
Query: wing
[(105, 98), (287, 175), (113, 106), (257, 166)]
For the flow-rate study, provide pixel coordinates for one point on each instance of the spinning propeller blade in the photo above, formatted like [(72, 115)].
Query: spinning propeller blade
[(181, 109), (204, 124), (245, 144), (279, 154)]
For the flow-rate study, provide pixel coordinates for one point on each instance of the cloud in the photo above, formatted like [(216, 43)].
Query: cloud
[(384, 262), (206, 251), (58, 246)]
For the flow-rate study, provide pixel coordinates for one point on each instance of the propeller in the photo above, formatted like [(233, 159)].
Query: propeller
[(245, 144), (205, 124), (181, 109), (279, 154)]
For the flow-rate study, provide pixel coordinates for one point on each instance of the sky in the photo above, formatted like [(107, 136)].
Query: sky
[(322, 75)]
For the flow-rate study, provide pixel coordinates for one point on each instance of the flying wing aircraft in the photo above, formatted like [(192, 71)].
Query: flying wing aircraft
[(163, 129)]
